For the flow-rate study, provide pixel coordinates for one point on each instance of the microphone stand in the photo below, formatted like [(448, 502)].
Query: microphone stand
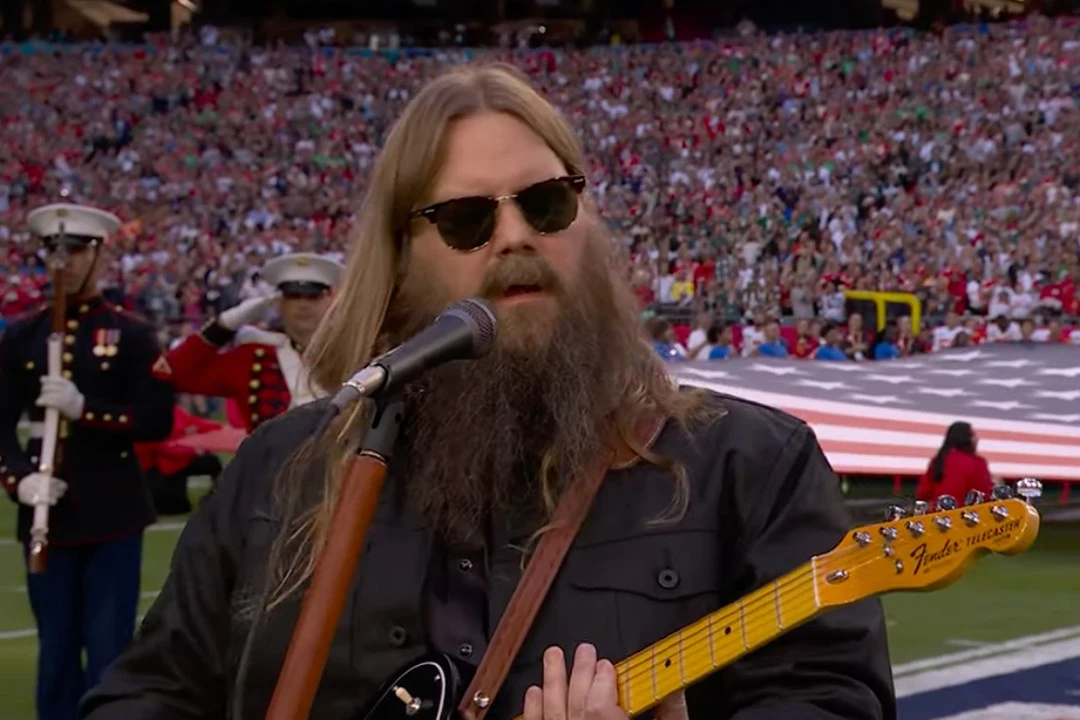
[(324, 600)]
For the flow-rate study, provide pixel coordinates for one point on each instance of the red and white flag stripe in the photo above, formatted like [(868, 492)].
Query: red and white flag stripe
[(872, 440)]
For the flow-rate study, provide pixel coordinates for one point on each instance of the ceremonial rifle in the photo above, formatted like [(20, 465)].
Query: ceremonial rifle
[(51, 448)]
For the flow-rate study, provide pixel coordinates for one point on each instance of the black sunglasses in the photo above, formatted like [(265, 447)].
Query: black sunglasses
[(467, 223)]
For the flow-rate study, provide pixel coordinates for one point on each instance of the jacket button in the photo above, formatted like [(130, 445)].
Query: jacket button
[(398, 636), (464, 564), (668, 579), (465, 650)]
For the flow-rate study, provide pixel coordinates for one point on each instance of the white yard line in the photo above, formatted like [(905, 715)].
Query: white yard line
[(1020, 643), (961, 642), (988, 667), (17, 634)]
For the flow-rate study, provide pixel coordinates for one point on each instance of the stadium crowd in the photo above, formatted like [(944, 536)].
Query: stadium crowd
[(750, 178)]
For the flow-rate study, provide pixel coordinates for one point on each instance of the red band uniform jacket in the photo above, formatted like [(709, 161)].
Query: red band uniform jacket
[(261, 371)]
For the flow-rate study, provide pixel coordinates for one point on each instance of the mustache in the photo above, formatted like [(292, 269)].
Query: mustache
[(518, 271)]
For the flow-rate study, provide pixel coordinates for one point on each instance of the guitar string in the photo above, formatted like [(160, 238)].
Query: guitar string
[(691, 646), (700, 640), (700, 651), (752, 612), (633, 669)]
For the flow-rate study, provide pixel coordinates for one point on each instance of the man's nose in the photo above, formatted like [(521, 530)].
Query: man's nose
[(512, 233)]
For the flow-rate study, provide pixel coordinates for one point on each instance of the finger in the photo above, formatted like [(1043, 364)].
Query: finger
[(673, 708), (603, 699), (581, 680), (534, 704), (554, 684)]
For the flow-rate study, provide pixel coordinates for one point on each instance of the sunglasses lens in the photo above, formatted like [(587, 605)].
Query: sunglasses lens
[(549, 206), (466, 223)]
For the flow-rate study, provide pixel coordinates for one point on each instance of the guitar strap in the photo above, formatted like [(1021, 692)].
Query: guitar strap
[(542, 567)]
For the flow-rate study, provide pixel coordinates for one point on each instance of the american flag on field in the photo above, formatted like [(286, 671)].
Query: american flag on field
[(890, 417)]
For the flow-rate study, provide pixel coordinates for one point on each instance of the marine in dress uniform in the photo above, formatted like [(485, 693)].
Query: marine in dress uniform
[(87, 598), (262, 371)]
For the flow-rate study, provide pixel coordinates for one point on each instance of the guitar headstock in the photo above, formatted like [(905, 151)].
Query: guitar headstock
[(927, 550)]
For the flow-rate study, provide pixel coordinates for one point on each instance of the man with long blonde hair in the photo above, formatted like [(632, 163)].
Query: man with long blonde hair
[(481, 190)]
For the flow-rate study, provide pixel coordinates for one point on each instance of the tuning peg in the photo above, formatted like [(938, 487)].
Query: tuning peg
[(974, 497), (1002, 492), (894, 512), (1028, 488), (921, 508), (946, 502)]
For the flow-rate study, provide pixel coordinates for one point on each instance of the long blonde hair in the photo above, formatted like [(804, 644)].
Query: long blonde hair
[(352, 331)]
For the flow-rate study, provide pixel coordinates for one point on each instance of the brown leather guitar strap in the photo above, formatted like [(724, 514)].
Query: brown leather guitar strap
[(541, 570)]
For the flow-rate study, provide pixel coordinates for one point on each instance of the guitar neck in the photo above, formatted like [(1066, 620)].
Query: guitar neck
[(717, 640)]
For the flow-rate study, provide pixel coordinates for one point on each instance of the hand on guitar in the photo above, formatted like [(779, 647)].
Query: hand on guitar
[(590, 694)]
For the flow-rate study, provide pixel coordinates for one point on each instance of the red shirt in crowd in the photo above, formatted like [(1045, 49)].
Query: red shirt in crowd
[(963, 472)]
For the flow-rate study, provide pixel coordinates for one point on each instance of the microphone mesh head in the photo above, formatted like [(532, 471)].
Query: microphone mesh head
[(482, 319)]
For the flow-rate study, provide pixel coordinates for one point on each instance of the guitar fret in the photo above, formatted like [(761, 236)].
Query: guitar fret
[(712, 642), (682, 655), (622, 672), (731, 632), (742, 623), (776, 600), (652, 664)]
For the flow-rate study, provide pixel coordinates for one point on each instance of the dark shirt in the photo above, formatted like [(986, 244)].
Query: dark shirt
[(455, 599), (762, 501)]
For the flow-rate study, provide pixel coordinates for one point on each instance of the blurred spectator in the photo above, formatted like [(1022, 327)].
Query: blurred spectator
[(830, 346), (772, 345), (663, 338), (956, 468)]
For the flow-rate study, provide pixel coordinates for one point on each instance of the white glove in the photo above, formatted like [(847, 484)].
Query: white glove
[(38, 486), (61, 394), (246, 312)]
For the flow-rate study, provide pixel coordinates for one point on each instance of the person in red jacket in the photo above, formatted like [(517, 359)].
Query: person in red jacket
[(168, 464), (263, 371), (956, 469)]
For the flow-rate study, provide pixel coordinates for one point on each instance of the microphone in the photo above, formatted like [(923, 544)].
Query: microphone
[(464, 330)]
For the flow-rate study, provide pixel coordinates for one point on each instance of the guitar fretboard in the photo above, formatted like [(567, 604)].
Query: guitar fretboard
[(718, 639)]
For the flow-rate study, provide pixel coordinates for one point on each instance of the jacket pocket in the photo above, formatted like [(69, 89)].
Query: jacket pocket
[(625, 594), (659, 567)]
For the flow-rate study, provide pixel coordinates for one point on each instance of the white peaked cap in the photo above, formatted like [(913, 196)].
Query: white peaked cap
[(303, 267), (49, 220)]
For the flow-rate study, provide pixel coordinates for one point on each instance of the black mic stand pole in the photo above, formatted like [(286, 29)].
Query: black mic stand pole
[(324, 600)]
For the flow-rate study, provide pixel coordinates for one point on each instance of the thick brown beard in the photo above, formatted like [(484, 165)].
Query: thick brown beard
[(477, 432)]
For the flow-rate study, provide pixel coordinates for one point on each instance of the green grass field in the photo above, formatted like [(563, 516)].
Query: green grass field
[(999, 598)]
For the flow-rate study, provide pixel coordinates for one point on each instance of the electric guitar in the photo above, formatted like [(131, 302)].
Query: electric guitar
[(926, 551)]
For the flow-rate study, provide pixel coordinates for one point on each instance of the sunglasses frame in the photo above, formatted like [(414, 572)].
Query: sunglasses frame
[(576, 182)]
